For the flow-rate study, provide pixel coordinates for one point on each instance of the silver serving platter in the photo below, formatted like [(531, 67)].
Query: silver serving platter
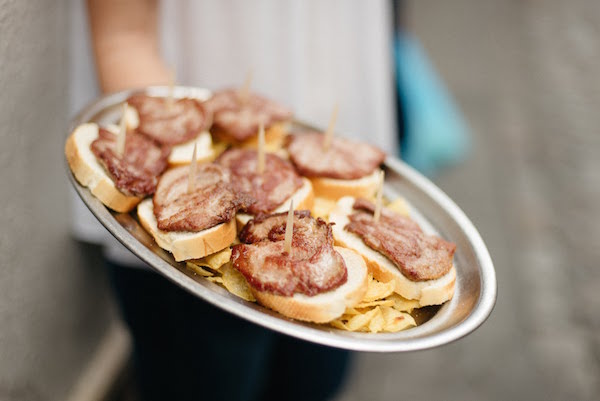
[(475, 292)]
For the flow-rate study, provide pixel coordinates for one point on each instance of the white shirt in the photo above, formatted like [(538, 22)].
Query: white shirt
[(308, 55)]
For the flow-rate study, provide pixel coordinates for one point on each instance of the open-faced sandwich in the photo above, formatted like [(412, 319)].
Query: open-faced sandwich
[(120, 179), (237, 115), (342, 167), (313, 281), (193, 216), (396, 250)]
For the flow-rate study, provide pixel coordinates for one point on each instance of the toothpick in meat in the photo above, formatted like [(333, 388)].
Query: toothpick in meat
[(261, 149), (244, 92), (329, 132), (289, 230), (192, 173), (122, 135), (171, 95), (379, 200)]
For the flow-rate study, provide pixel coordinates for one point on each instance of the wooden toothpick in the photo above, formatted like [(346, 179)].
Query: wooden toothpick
[(171, 95), (329, 132), (122, 135), (192, 173), (289, 229), (378, 205), (244, 92), (261, 149)]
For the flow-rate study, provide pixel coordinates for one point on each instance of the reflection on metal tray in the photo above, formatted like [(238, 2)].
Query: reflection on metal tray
[(475, 292)]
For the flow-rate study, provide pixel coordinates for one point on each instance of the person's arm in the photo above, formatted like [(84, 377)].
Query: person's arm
[(126, 45)]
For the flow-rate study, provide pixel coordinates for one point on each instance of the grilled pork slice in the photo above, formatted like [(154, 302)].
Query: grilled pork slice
[(193, 225), (169, 123), (346, 168), (315, 282), (395, 249), (273, 190)]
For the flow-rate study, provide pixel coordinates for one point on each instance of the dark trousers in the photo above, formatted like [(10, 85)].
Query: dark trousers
[(186, 349)]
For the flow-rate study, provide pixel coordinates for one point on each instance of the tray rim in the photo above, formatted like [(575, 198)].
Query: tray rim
[(363, 341)]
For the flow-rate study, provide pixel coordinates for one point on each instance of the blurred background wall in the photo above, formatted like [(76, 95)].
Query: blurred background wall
[(53, 304), (527, 77)]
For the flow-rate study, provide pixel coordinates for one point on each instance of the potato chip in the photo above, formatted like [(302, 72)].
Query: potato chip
[(199, 270), (399, 206), (214, 261), (377, 322), (395, 320), (378, 290), (236, 283), (402, 304), (359, 321), (322, 207), (351, 312), (382, 302), (215, 279), (339, 324)]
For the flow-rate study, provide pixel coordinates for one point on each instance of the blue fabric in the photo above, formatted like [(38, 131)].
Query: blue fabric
[(436, 134)]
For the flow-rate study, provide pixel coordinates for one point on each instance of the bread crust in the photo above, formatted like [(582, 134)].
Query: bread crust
[(91, 174), (324, 307), (332, 188), (429, 292), (187, 245)]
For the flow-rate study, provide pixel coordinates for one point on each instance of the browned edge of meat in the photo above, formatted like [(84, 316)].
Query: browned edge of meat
[(235, 120), (136, 173), (418, 256), (171, 125), (314, 266), (213, 201), (275, 185), (345, 159)]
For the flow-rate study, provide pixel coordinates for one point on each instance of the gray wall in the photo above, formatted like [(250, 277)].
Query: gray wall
[(53, 302)]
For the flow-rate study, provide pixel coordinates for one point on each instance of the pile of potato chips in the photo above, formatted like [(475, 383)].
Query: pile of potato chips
[(218, 269), (381, 310)]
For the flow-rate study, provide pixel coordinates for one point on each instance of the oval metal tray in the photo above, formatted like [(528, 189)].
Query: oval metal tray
[(475, 292)]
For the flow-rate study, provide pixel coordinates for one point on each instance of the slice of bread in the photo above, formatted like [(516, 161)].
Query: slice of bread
[(182, 154), (303, 200), (187, 245), (91, 174), (326, 306), (333, 188), (430, 292)]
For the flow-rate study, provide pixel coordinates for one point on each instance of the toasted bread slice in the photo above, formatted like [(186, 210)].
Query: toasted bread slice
[(187, 245), (90, 173), (326, 306), (333, 188), (430, 292), (303, 200)]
